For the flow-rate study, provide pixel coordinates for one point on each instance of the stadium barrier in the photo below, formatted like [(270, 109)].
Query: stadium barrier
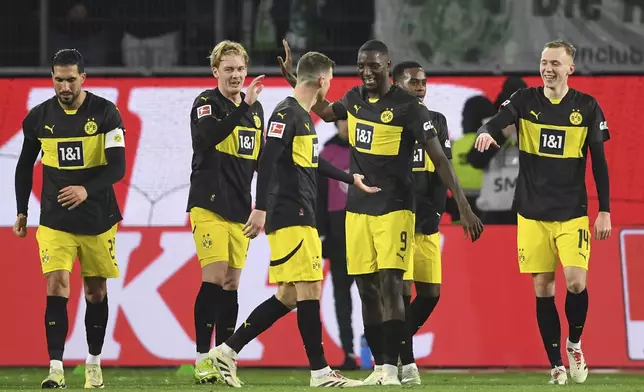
[(486, 314)]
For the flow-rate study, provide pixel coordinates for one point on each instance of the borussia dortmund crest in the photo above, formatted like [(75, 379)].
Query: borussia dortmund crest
[(257, 121), (387, 116), (44, 256), (206, 241), (91, 127), (576, 118)]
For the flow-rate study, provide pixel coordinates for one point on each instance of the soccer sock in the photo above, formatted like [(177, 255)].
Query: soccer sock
[(416, 315), (407, 349), (95, 325), (205, 314), (576, 310), (259, 321), (394, 332), (310, 325), (56, 326), (550, 329), (227, 318), (375, 340)]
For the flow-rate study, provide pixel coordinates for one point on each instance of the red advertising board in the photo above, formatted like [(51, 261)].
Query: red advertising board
[(486, 314)]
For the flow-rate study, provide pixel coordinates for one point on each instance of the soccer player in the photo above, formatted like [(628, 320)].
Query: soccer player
[(81, 136), (385, 122), (226, 127), (556, 126), (431, 195), (286, 199)]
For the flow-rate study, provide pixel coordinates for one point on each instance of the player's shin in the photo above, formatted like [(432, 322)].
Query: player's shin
[(550, 329), (407, 349), (96, 315), (227, 319), (576, 310), (205, 312), (258, 321), (56, 326)]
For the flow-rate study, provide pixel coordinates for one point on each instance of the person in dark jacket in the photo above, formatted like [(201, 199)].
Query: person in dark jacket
[(332, 199)]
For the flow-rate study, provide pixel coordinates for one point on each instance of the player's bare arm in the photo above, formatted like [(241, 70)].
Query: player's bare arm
[(322, 107), (471, 223)]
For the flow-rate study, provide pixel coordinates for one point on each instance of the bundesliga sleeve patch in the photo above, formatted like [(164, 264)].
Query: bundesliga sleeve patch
[(276, 129), (115, 138), (205, 110)]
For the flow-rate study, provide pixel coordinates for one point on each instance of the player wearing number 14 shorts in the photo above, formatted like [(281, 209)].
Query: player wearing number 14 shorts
[(556, 126)]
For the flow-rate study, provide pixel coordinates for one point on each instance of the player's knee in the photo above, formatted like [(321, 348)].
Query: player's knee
[(215, 273), (95, 289), (407, 288), (231, 282), (58, 284), (287, 295), (544, 284), (391, 281), (575, 286)]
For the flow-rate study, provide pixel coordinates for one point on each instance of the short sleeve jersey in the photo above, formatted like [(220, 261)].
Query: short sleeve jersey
[(382, 135)]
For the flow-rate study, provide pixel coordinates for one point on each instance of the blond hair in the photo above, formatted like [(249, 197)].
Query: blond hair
[(312, 65), (568, 47), (226, 48)]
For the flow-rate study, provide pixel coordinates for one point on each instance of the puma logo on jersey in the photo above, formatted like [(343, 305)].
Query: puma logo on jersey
[(50, 129), (356, 108), (204, 98), (281, 115), (536, 115), (307, 126)]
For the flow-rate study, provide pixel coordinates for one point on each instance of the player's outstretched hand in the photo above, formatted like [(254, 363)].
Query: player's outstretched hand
[(472, 225), (485, 141), (255, 223), (72, 196), (286, 65), (254, 88), (357, 182), (20, 227), (603, 227)]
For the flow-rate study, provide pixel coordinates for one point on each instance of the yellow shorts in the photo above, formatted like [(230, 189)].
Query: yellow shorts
[(96, 253), (379, 242), (426, 262), (218, 239), (296, 255), (540, 243)]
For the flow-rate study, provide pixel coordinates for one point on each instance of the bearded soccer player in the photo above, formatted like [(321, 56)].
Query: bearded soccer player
[(286, 199), (81, 136), (557, 126), (226, 127), (431, 195), (385, 122)]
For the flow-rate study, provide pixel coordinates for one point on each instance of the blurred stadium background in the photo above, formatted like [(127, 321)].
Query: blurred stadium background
[(149, 57)]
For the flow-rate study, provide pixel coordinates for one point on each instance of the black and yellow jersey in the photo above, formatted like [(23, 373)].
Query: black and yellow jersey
[(382, 135), (292, 191), (431, 192), (224, 160), (73, 144), (553, 146)]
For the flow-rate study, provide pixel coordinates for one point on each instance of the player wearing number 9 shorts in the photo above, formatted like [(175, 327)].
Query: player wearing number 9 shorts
[(557, 126), (82, 139)]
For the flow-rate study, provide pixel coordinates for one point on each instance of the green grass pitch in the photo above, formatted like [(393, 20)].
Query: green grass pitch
[(280, 380)]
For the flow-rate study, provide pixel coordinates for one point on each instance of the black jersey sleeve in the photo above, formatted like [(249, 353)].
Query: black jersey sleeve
[(262, 141), (113, 119), (25, 167), (279, 135), (419, 121), (326, 169), (443, 135), (209, 130), (597, 125), (340, 107), (508, 114)]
